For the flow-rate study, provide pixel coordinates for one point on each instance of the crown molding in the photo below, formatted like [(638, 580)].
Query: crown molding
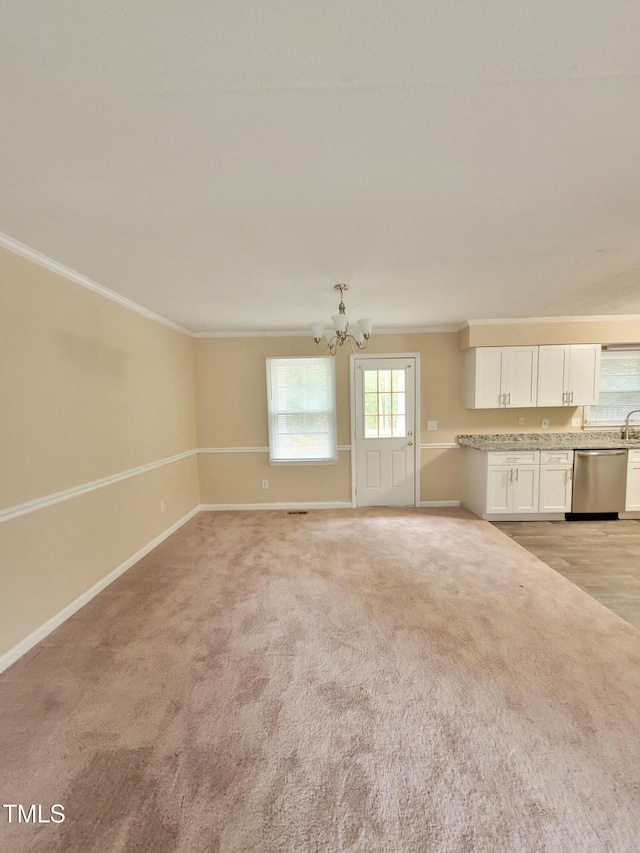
[(418, 330), (257, 334), (524, 321), (30, 254)]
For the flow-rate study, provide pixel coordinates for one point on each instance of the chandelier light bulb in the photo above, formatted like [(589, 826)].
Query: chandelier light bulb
[(340, 322), (366, 325), (317, 330)]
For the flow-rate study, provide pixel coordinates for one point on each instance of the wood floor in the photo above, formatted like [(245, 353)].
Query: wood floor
[(601, 557)]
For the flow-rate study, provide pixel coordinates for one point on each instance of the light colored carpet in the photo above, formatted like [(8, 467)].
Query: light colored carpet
[(367, 680)]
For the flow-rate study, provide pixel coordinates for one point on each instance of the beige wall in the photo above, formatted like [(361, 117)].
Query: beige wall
[(231, 411), (88, 389)]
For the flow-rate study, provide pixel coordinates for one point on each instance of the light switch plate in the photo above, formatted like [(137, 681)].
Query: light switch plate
[(432, 424), (576, 422)]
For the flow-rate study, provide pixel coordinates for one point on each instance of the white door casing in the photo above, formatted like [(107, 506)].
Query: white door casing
[(385, 430)]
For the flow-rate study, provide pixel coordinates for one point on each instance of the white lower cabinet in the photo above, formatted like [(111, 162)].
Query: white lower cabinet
[(556, 481), (512, 489), (524, 483), (632, 502), (512, 482)]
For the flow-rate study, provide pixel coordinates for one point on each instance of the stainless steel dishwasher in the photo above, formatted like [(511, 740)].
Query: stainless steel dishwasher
[(599, 481)]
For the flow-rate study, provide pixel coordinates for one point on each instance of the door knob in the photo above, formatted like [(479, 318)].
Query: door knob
[(410, 432), (410, 443)]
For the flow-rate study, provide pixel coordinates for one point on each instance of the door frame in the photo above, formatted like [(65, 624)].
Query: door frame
[(353, 360)]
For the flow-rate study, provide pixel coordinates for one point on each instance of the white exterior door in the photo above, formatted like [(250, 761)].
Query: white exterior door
[(385, 431)]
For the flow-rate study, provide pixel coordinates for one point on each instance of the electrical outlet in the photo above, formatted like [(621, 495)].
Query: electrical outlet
[(520, 421), (265, 484), (545, 423), (576, 422), (432, 424), (161, 506)]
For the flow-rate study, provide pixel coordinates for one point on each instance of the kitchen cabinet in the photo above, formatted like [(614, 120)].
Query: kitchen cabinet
[(556, 481), (512, 489), (501, 377), (512, 482), (568, 375), (632, 500), (525, 484)]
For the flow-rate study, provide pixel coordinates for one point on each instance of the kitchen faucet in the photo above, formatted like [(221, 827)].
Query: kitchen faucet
[(625, 431)]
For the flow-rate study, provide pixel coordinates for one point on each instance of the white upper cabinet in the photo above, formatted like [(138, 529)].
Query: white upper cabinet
[(521, 377), (569, 375), (501, 377)]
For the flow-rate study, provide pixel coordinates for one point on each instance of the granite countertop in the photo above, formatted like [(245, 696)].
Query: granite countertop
[(601, 439)]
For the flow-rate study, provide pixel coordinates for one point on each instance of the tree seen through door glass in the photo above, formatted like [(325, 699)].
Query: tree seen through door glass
[(384, 404)]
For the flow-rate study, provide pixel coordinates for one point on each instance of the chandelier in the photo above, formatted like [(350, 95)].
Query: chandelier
[(358, 335)]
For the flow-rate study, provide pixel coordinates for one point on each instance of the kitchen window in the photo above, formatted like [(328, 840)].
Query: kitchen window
[(301, 407), (619, 389)]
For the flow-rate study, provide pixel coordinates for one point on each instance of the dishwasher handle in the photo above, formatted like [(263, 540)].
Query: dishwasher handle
[(600, 452)]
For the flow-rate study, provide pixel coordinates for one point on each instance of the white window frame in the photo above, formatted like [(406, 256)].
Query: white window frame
[(589, 421), (273, 412)]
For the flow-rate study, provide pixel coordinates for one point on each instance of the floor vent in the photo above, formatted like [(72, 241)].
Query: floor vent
[(298, 512)]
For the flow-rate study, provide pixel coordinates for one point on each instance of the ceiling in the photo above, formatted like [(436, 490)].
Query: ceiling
[(225, 164)]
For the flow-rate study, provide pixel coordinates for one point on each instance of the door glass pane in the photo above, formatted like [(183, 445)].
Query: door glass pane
[(385, 404), (371, 404), (385, 426), (398, 380), (370, 426), (397, 403), (399, 426), (371, 381), (384, 380)]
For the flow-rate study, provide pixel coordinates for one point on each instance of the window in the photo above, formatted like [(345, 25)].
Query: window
[(619, 388), (301, 404)]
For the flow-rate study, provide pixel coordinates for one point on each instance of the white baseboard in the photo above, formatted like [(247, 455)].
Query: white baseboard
[(44, 630), (439, 503), (299, 505)]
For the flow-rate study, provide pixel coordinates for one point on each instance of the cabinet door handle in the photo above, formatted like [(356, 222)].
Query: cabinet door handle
[(509, 400), (511, 476), (572, 398), (569, 473), (564, 398), (517, 473)]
